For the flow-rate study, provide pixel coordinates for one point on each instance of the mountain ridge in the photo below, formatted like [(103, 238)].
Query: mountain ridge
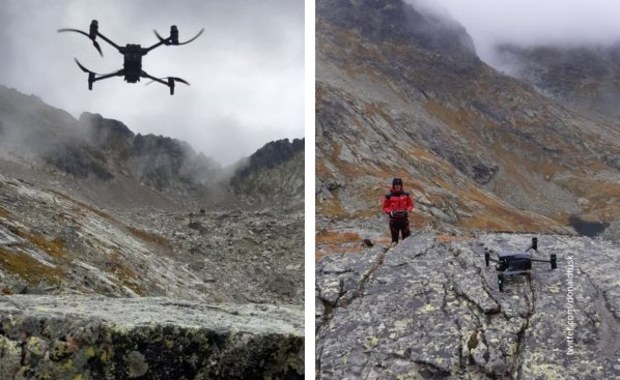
[(96, 147)]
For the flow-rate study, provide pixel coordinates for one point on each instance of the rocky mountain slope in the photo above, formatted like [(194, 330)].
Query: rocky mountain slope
[(87, 206), (430, 309), (401, 92), (582, 77), (273, 173), (98, 218)]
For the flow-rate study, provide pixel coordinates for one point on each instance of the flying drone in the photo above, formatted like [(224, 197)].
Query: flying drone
[(516, 263), (132, 53)]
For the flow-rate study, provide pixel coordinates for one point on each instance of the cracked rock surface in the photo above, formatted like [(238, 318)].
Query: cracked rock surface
[(431, 309), (94, 337)]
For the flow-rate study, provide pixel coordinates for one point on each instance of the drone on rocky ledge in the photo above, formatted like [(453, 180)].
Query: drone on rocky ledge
[(511, 264), (132, 53)]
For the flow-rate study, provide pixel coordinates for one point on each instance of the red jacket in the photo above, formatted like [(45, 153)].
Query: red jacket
[(396, 202)]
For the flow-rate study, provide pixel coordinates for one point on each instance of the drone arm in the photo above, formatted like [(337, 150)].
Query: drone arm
[(161, 42), (106, 76), (145, 75), (106, 39)]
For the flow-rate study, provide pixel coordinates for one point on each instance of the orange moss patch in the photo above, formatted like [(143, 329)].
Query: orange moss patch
[(328, 242), (115, 261), (334, 237), (324, 251), (54, 248), (373, 109), (321, 171), (30, 269), (331, 208), (124, 274), (461, 120), (445, 238), (4, 213), (149, 237), (498, 216)]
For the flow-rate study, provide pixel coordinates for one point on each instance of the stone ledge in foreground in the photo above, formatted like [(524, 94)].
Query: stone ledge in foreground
[(94, 337)]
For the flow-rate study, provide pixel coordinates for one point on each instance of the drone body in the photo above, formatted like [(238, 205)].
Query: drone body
[(132, 53), (511, 264)]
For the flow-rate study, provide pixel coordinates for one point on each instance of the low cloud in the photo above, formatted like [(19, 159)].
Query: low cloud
[(533, 23)]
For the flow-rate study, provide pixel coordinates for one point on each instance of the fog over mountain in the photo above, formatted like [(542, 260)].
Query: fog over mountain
[(529, 22)]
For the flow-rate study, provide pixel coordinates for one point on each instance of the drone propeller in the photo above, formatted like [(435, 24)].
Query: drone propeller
[(95, 43), (161, 39), (196, 36), (175, 79), (84, 69)]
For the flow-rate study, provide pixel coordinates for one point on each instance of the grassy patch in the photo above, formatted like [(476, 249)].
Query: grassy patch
[(334, 241), (124, 274), (54, 248), (445, 238), (334, 237), (149, 237), (30, 269), (333, 248)]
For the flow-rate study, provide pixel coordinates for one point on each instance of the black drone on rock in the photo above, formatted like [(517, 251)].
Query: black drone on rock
[(132, 53), (516, 263)]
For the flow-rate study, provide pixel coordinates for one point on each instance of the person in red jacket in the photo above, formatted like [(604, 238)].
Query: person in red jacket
[(397, 204)]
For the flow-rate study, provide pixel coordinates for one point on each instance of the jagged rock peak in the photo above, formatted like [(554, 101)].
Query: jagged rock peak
[(397, 20), (272, 154)]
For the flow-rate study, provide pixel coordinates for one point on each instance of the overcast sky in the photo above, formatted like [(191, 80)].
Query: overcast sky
[(529, 22), (246, 70)]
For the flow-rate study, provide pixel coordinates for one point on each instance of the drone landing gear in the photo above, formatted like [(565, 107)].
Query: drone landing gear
[(171, 85), (500, 282), (554, 261)]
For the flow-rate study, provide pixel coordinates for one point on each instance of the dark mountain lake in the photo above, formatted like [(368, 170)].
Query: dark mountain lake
[(587, 228)]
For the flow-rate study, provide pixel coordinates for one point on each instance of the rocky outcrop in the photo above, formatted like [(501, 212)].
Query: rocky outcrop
[(430, 308), (76, 337), (583, 77), (166, 163), (274, 172), (398, 21)]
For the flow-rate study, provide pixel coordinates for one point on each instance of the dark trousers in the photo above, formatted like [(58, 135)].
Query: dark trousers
[(399, 225)]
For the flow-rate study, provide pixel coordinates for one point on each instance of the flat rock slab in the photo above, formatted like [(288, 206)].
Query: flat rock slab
[(429, 309), (94, 337)]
